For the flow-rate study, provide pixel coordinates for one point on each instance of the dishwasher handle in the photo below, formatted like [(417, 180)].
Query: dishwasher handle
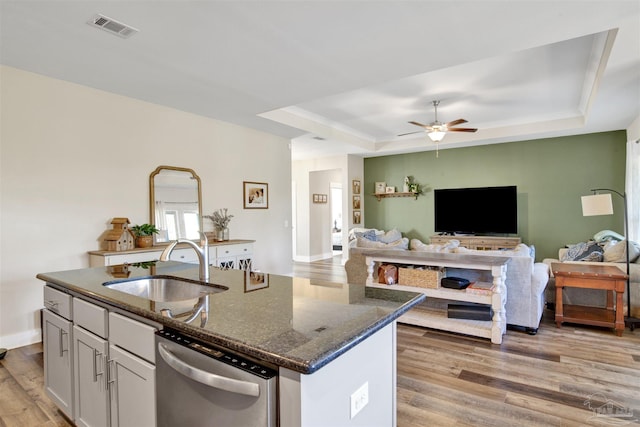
[(207, 378)]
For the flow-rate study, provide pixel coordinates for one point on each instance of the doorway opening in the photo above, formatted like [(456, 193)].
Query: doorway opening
[(336, 218)]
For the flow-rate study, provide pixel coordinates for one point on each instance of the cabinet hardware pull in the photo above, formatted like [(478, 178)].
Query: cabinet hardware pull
[(96, 353), (61, 342), (111, 377), (52, 305)]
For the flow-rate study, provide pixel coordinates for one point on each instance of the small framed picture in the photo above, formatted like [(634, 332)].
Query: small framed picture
[(356, 217), (380, 187), (255, 195), (255, 280), (316, 198), (390, 190), (355, 186), (324, 198), (356, 202)]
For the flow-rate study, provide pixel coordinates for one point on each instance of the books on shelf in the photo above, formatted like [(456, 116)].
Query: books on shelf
[(480, 288)]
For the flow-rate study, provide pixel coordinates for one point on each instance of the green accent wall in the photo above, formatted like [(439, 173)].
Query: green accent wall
[(551, 175)]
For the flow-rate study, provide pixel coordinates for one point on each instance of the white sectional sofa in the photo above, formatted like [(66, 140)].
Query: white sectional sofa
[(526, 280), (613, 253)]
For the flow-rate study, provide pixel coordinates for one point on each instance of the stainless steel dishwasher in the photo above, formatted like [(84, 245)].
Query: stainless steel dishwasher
[(201, 385)]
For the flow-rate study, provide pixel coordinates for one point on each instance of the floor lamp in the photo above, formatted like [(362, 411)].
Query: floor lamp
[(601, 204)]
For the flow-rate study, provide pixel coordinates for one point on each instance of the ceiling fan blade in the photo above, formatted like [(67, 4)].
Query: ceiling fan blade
[(410, 133), (421, 125), (456, 122), (462, 129)]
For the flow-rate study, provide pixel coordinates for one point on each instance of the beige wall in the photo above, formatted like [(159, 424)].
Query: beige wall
[(345, 169), (72, 158)]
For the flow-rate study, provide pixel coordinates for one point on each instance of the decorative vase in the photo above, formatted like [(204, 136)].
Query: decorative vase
[(225, 233), (405, 188), (144, 241), (219, 234)]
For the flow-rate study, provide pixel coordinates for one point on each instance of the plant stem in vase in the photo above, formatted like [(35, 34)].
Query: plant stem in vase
[(220, 219)]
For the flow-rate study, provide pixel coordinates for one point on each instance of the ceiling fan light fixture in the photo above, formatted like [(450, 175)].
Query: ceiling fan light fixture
[(436, 135)]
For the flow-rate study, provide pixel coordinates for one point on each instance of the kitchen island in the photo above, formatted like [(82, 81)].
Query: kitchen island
[(326, 340)]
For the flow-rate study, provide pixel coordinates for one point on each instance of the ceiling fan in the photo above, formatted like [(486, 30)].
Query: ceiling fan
[(437, 130)]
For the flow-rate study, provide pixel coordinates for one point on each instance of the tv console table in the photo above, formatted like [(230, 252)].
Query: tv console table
[(418, 316), (481, 243)]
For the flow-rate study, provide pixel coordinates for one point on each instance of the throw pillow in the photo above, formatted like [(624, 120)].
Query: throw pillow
[(369, 235), (584, 251), (418, 245), (398, 244), (521, 250), (390, 236), (617, 251)]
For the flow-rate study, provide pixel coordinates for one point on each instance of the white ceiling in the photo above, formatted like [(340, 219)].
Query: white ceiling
[(346, 76)]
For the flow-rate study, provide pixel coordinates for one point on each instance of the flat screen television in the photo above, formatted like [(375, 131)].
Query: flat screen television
[(485, 210)]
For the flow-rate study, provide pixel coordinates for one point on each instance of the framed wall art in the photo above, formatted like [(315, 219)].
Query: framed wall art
[(255, 195), (356, 202), (381, 187), (355, 187), (255, 280), (319, 198)]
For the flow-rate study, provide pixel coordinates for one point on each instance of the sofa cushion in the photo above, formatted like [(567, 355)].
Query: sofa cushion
[(615, 251), (584, 251)]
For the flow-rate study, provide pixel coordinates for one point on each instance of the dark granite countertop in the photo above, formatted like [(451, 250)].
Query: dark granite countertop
[(296, 323)]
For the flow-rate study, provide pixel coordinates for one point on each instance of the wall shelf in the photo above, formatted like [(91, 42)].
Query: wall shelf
[(381, 196)]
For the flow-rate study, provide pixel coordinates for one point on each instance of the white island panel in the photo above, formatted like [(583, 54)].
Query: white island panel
[(324, 398)]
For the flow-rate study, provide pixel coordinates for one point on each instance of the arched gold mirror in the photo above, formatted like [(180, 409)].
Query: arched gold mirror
[(175, 201)]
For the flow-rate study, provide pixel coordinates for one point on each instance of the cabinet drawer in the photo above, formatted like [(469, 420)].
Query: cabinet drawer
[(184, 255), (131, 258), (490, 241), (132, 336), (437, 240), (58, 302), (90, 317), (234, 250)]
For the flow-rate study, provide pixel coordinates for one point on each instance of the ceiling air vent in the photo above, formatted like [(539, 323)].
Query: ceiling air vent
[(112, 26)]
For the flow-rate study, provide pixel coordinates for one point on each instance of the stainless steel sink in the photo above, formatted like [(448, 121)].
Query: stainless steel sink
[(164, 288)]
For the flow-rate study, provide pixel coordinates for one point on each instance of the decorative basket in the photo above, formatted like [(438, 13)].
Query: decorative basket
[(422, 278)]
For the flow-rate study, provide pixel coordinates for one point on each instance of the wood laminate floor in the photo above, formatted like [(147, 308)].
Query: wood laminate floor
[(573, 376)]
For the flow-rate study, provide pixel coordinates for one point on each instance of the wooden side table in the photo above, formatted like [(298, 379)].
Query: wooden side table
[(605, 277)]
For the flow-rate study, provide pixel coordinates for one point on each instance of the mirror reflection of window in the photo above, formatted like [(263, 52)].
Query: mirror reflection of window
[(171, 225), (191, 225)]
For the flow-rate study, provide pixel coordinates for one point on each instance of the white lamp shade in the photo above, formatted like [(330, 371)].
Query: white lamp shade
[(597, 204)]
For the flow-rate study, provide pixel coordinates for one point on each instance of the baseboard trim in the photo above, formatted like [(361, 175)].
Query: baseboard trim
[(313, 257), (20, 340)]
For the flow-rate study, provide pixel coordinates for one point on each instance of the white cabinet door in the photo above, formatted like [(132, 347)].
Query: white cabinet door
[(58, 361), (244, 262), (226, 263), (236, 256), (132, 389), (91, 397)]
